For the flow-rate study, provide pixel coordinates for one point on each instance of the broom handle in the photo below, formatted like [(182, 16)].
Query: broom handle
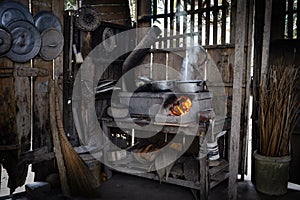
[(56, 143)]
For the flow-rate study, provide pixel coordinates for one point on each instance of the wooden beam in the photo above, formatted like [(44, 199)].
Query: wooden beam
[(237, 98), (36, 156), (247, 83), (266, 41)]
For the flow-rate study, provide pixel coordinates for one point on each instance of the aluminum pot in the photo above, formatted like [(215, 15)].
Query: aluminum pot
[(191, 86), (163, 85), (157, 85)]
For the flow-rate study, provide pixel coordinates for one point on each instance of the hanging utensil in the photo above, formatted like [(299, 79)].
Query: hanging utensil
[(5, 41), (26, 41), (11, 11), (45, 19), (52, 44), (87, 18)]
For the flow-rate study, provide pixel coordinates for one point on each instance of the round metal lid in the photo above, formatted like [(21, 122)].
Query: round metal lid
[(52, 44), (11, 11), (87, 18), (45, 19), (5, 41), (26, 41)]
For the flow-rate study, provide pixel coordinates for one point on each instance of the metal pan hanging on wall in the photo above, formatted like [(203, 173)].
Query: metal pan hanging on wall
[(52, 44), (12, 11), (46, 19), (5, 41), (26, 41), (87, 18)]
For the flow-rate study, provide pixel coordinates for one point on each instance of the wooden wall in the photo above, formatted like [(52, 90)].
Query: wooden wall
[(114, 11), (16, 93)]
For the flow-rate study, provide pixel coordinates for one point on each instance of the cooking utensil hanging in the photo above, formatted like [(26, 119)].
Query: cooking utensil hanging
[(52, 44), (45, 19), (11, 11), (26, 41), (87, 18), (5, 41)]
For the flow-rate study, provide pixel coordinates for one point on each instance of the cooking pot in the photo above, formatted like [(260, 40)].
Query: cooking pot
[(163, 85), (156, 85), (191, 86)]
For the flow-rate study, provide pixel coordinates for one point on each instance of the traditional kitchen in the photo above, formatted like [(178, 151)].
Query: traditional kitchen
[(166, 99)]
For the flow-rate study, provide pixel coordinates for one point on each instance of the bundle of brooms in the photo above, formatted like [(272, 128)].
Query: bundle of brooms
[(76, 178), (279, 104)]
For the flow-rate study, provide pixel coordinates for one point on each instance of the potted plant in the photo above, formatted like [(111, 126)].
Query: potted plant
[(278, 107)]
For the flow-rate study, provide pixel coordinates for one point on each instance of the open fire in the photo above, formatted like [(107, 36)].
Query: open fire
[(181, 106)]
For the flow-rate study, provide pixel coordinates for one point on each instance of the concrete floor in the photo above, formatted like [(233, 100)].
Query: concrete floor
[(128, 187)]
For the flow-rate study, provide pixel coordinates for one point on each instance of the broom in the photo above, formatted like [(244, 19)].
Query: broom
[(80, 178)]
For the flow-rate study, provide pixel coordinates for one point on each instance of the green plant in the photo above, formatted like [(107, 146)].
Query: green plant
[(279, 104)]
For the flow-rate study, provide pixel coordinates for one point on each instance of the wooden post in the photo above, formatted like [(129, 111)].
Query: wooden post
[(204, 187), (237, 98), (248, 81), (266, 41)]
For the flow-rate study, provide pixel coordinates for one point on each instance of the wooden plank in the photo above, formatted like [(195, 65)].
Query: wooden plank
[(144, 68), (192, 24), (237, 98), (36, 156), (233, 20), (154, 9), (215, 22), (41, 118), (223, 25), (247, 95), (9, 147), (91, 2), (266, 41), (165, 31), (298, 20), (290, 22), (177, 21), (171, 22), (220, 178), (207, 23), (174, 66), (39, 5), (159, 66), (200, 23), (223, 166), (185, 25)]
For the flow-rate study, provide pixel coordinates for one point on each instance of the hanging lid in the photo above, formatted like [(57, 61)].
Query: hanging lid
[(11, 11), (52, 44), (5, 41), (26, 41), (45, 19)]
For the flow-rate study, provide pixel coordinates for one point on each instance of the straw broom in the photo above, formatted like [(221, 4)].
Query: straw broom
[(80, 178), (278, 110)]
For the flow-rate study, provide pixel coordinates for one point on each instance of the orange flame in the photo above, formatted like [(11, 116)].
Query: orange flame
[(181, 106)]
